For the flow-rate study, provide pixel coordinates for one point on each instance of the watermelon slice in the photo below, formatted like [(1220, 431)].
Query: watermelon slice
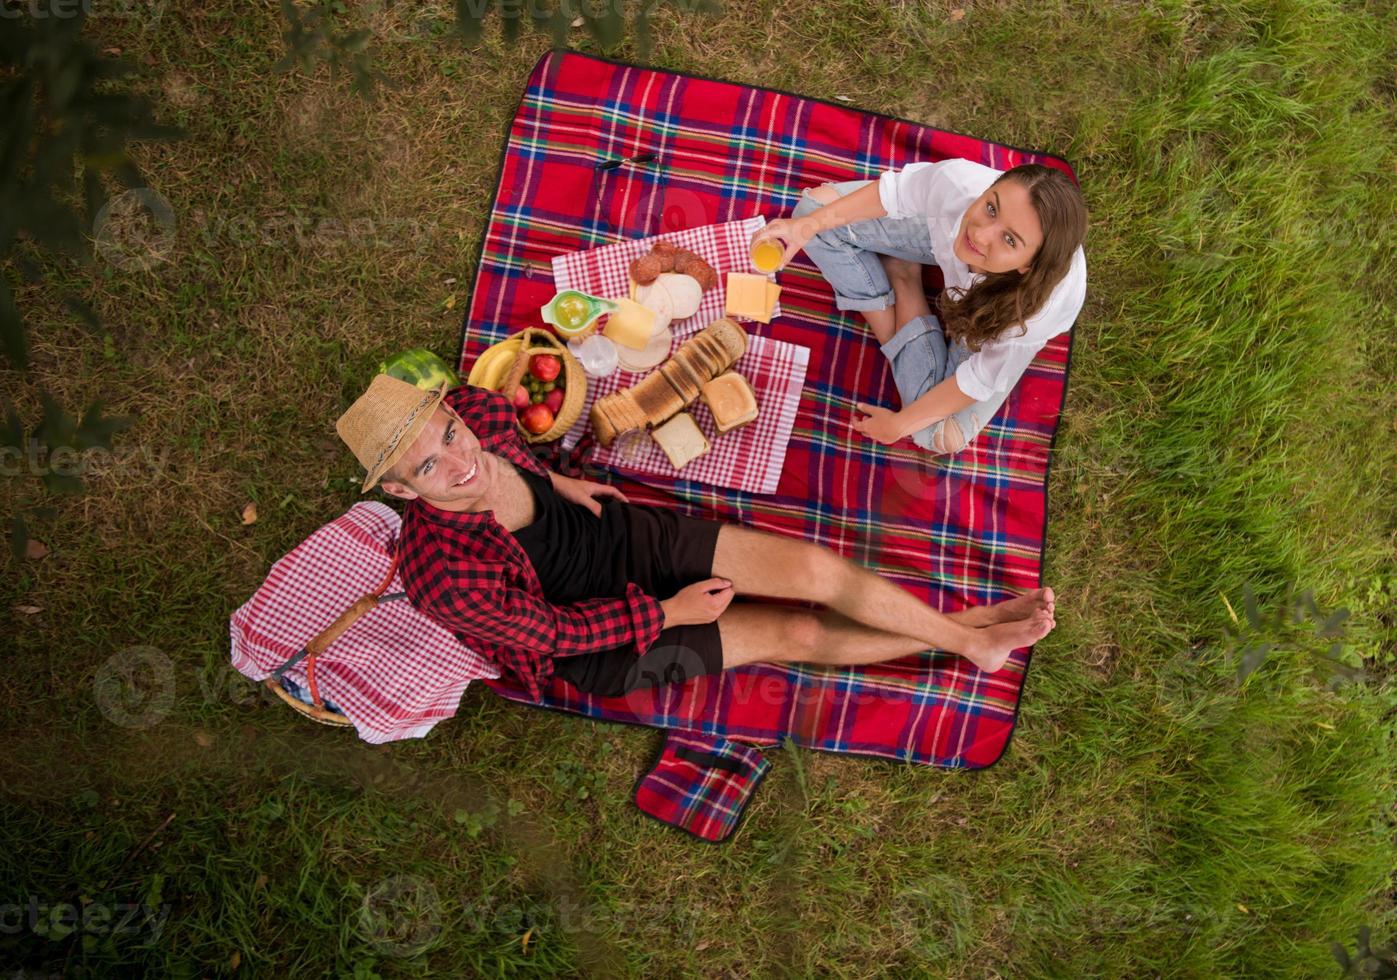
[(419, 367)]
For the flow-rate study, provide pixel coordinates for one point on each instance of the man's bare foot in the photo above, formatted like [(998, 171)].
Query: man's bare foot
[(993, 644), (1008, 611), (1020, 607)]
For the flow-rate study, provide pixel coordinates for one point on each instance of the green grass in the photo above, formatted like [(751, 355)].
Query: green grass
[(1229, 422)]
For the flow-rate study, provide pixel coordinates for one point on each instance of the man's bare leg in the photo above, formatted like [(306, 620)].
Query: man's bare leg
[(753, 633), (772, 565)]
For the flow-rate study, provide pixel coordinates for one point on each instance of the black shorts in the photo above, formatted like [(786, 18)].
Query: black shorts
[(667, 551)]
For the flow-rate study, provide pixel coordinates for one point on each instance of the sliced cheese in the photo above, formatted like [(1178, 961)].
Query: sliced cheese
[(751, 297), (632, 325)]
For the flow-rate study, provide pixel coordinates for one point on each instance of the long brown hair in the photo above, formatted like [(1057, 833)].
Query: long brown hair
[(1001, 300)]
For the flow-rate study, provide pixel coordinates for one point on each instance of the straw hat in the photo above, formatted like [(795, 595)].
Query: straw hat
[(384, 423)]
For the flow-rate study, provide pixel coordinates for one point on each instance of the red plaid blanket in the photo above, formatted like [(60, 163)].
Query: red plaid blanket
[(749, 458), (957, 531), (969, 529)]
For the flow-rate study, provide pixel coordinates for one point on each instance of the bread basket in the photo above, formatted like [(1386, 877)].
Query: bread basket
[(537, 341)]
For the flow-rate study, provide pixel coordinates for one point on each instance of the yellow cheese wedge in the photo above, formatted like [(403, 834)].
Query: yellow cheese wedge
[(632, 325), (751, 297)]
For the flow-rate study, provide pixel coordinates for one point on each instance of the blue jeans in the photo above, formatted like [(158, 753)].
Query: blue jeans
[(920, 357)]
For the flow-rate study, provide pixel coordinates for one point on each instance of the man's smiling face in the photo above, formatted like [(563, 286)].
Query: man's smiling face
[(445, 466)]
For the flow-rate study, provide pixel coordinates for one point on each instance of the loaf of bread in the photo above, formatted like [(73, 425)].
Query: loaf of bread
[(675, 386)]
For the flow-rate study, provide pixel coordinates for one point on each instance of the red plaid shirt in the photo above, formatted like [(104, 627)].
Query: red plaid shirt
[(468, 573)]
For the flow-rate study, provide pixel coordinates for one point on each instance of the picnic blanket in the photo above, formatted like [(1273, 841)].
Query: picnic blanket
[(602, 152)]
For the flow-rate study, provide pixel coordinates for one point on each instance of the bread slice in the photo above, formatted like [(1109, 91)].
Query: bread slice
[(710, 354), (730, 334), (698, 358), (674, 387), (685, 363), (729, 397), (602, 426), (630, 414), (614, 414), (677, 372), (656, 399), (717, 353), (681, 440)]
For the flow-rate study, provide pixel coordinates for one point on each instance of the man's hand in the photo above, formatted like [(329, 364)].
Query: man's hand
[(584, 492), (702, 602), (882, 424)]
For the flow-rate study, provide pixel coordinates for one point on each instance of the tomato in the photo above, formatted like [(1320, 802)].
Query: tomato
[(545, 367), (537, 419)]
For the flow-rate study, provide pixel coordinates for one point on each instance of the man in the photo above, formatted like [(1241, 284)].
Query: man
[(545, 574)]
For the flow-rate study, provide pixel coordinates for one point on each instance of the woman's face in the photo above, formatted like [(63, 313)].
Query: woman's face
[(1000, 232)]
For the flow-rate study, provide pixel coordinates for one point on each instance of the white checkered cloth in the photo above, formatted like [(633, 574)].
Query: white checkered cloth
[(749, 458), (395, 673)]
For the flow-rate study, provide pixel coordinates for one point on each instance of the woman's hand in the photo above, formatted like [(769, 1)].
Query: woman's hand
[(702, 602), (585, 493), (792, 232), (882, 424)]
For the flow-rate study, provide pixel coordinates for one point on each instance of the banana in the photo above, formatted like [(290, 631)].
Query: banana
[(490, 367)]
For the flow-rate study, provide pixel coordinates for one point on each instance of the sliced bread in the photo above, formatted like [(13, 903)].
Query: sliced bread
[(681, 440)]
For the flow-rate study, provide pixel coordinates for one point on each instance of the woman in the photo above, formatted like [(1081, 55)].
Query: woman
[(1008, 244)]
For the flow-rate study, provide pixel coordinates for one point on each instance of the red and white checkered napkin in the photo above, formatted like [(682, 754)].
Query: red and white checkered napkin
[(606, 271), (395, 673), (749, 458)]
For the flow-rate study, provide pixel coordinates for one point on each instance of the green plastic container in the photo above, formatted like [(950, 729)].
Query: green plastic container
[(572, 312)]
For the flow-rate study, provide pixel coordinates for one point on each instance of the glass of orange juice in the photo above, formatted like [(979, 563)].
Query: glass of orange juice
[(767, 254)]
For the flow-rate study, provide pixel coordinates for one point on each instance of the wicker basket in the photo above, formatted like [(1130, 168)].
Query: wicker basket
[(322, 716), (538, 341), (317, 712)]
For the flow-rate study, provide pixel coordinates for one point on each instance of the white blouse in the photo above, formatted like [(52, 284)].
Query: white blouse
[(941, 192)]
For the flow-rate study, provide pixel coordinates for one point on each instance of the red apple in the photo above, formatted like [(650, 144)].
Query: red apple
[(538, 419), (545, 367), (521, 398), (554, 400)]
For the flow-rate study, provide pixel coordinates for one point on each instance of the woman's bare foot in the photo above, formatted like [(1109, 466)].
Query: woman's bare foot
[(909, 294), (993, 644), (900, 270)]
